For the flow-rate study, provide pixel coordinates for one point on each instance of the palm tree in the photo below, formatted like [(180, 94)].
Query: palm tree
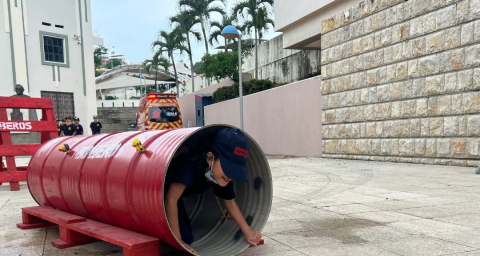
[(202, 10), (226, 20), (185, 20), (256, 12), (169, 43), (156, 61)]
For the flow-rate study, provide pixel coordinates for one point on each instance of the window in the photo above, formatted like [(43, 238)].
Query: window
[(163, 114), (54, 48)]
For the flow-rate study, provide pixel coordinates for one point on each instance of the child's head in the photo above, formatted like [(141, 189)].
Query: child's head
[(76, 120), (228, 156), (95, 118), (68, 120)]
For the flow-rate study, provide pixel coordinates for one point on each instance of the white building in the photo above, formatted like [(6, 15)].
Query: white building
[(47, 46)]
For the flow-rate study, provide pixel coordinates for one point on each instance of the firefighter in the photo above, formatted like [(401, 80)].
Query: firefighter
[(68, 128), (78, 126), (211, 165)]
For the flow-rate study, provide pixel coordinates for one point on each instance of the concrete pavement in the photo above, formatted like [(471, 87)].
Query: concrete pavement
[(326, 207)]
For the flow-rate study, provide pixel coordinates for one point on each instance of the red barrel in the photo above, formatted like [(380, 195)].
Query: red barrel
[(104, 178)]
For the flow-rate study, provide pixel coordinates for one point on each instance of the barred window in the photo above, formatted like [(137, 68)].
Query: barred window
[(53, 49)]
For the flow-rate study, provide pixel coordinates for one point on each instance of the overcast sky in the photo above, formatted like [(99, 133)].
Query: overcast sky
[(131, 26)]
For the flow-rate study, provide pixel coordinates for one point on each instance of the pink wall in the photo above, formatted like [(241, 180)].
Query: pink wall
[(285, 121)]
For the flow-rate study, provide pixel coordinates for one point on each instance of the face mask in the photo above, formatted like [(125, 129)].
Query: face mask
[(209, 174)]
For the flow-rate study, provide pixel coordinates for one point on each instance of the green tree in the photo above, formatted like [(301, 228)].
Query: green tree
[(255, 14), (202, 9), (115, 63), (226, 20), (156, 61), (98, 52), (170, 42), (185, 20)]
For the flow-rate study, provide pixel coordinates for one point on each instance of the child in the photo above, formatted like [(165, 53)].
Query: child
[(214, 166), (95, 126), (59, 127), (79, 127), (68, 129)]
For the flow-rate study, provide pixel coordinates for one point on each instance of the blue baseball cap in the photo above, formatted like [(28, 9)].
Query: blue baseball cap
[(232, 147)]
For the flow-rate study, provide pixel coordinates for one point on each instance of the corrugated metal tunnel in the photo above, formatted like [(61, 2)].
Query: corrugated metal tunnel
[(105, 179)]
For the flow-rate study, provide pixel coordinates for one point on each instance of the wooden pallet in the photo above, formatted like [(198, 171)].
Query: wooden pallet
[(76, 230)]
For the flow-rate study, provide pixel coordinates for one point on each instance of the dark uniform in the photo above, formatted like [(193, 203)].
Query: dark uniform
[(59, 128), (68, 130), (79, 129), (95, 127)]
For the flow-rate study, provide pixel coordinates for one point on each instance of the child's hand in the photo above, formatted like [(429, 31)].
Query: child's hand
[(188, 247), (253, 237)]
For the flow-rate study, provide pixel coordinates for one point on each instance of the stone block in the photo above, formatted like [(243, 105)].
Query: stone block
[(457, 104), (344, 83), (473, 163), (401, 71), (435, 42), (357, 46), (474, 12), (351, 98), (325, 132), (444, 147), (416, 27), (368, 42), (388, 55), (465, 80), (427, 65), (458, 147), (386, 147), (363, 146), (406, 147), (436, 126), (420, 145), (472, 56), (408, 108), (418, 87), (462, 125), (386, 37), (434, 84), (471, 102), (462, 11), (467, 33), (364, 95), (452, 38), (446, 17), (342, 146), (391, 69), (370, 132), (359, 80), (444, 62), (396, 110), (382, 75), (457, 59), (431, 147), (415, 127), (331, 146), (429, 23), (391, 14), (398, 52), (473, 125), (360, 113), (476, 32), (372, 77), (476, 79), (450, 83), (372, 95), (444, 105), (369, 113), (403, 128), (473, 148), (355, 130), (395, 150), (396, 91), (421, 107), (412, 68), (407, 50), (389, 129), (408, 89), (378, 61), (418, 47), (451, 126), (352, 114), (379, 130), (351, 146), (379, 20)]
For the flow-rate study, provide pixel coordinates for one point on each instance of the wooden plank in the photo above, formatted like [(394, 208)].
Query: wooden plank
[(28, 126), (23, 102), (18, 150)]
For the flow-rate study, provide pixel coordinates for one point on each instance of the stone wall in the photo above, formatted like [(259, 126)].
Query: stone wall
[(282, 65), (115, 119), (401, 82)]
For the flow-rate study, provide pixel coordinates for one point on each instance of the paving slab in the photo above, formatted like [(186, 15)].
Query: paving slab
[(324, 207)]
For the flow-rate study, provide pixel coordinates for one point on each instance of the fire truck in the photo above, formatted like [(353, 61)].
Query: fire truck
[(159, 111)]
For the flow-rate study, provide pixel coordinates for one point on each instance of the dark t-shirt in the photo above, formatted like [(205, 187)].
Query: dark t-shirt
[(68, 130), (183, 171), (59, 127), (79, 129), (95, 127)]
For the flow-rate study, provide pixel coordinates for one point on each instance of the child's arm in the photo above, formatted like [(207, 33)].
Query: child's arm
[(252, 236), (173, 194)]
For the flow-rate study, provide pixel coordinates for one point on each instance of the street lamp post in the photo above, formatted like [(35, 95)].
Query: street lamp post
[(230, 32)]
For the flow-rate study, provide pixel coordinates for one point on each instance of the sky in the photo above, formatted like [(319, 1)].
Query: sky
[(130, 26)]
